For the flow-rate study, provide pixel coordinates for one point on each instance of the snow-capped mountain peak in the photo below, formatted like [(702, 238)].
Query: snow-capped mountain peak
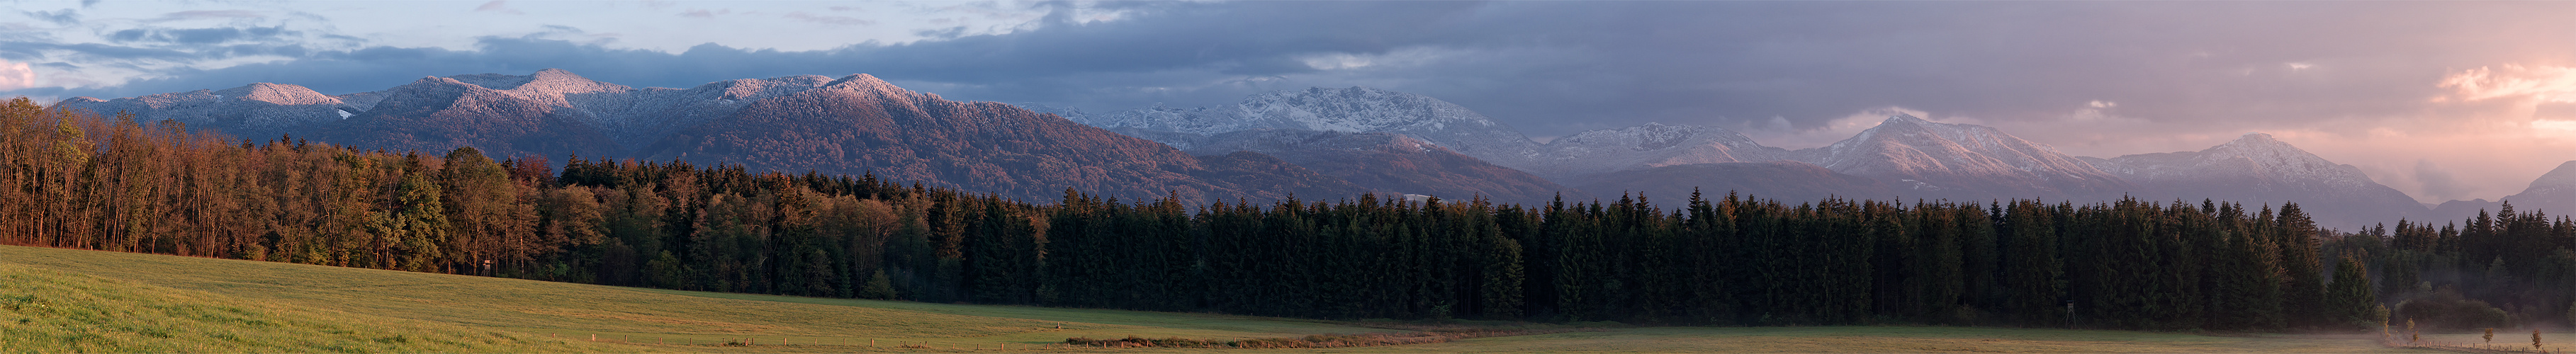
[(277, 94), (1957, 157)]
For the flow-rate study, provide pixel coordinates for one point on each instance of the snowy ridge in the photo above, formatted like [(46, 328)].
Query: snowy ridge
[(255, 110), (1349, 110), (1966, 160), (1361, 109), (633, 117), (2257, 170), (2254, 156), (1643, 146)]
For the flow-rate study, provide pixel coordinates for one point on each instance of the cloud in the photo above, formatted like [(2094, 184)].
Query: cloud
[(15, 76), (2438, 184), (703, 13), (207, 14), (829, 20), (92, 51), (499, 6), (64, 17), (2542, 82), (201, 35)]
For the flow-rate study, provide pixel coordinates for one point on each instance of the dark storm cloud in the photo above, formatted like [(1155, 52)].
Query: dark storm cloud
[(1554, 67)]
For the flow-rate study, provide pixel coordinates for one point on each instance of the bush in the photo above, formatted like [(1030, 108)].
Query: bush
[(2445, 309)]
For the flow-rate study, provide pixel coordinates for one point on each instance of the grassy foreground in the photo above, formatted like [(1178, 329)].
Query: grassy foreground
[(54, 300)]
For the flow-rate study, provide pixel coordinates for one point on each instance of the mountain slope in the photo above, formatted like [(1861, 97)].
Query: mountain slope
[(2256, 169), (1644, 146), (1962, 161), (850, 125), (260, 110), (2553, 192), (443, 113), (1349, 110), (1787, 181), (859, 124), (1388, 163)]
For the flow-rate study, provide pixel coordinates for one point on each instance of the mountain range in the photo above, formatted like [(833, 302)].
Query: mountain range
[(1904, 157), (848, 125), (2552, 192), (1319, 143)]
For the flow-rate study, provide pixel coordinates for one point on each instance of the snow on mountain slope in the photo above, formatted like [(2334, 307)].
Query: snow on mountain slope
[(1350, 110), (255, 110), (1961, 161), (2256, 170), (1643, 146)]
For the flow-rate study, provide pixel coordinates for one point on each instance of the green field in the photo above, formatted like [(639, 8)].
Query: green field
[(71, 300)]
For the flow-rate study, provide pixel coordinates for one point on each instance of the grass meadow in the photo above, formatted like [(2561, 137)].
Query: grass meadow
[(57, 300)]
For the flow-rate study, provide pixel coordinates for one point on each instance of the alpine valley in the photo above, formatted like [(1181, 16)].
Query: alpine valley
[(1318, 143)]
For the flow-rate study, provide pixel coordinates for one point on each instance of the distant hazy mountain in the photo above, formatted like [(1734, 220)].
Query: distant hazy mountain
[(1962, 161), (855, 124), (2553, 192), (1644, 146), (2258, 170), (1349, 110), (1903, 156), (1787, 181), (1360, 109), (1412, 144), (1923, 158), (1389, 163)]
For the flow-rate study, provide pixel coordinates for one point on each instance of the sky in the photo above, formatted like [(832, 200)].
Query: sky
[(2441, 100)]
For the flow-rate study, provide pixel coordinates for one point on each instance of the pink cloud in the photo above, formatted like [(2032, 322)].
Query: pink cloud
[(2544, 82), (16, 76)]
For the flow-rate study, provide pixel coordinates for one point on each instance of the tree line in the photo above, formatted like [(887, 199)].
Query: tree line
[(76, 180)]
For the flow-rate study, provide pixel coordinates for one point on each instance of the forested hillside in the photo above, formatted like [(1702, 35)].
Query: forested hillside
[(79, 181)]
